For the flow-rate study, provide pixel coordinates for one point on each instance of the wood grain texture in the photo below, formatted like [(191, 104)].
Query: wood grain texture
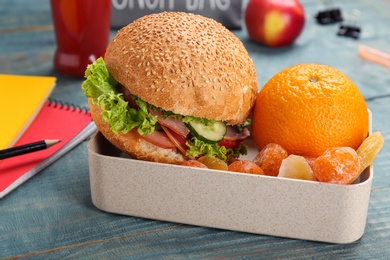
[(51, 216)]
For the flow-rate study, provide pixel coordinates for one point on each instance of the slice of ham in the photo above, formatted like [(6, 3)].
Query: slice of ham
[(172, 123), (178, 140), (232, 135), (159, 139)]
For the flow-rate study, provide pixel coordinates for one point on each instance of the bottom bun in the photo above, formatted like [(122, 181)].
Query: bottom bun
[(133, 144)]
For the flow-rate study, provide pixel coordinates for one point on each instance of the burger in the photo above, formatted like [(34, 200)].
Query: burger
[(173, 86)]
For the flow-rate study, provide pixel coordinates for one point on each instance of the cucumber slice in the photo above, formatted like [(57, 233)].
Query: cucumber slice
[(212, 132)]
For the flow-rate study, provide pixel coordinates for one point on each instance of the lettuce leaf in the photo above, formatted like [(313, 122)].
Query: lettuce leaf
[(242, 149), (199, 148), (98, 80), (101, 87)]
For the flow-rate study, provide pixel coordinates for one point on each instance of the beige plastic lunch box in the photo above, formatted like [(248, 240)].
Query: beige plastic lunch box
[(228, 200)]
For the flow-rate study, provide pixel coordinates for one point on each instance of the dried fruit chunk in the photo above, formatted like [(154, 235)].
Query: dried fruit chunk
[(245, 167), (296, 167), (338, 165), (369, 149), (270, 158), (194, 163), (213, 163)]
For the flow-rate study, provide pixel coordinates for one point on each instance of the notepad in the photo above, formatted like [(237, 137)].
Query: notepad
[(68, 123), (21, 98)]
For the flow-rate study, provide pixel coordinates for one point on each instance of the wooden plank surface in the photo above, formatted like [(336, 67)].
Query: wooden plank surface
[(51, 216)]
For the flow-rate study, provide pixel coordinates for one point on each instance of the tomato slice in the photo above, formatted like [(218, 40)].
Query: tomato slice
[(229, 143)]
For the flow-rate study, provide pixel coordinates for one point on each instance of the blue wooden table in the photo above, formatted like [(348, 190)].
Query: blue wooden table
[(51, 216)]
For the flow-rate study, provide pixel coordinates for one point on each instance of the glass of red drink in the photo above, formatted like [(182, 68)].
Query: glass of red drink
[(82, 31)]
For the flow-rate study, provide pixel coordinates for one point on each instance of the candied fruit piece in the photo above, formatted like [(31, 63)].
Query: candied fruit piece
[(213, 163), (338, 165), (245, 167), (270, 158), (369, 149), (296, 167), (194, 163)]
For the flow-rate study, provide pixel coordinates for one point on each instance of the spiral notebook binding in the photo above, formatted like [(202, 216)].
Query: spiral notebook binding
[(68, 106)]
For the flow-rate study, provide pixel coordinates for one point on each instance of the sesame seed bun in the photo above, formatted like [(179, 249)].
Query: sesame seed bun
[(185, 63)]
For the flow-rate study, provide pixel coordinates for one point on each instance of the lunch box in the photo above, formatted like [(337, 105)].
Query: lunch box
[(241, 202)]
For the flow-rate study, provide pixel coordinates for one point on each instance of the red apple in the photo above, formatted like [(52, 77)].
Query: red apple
[(274, 23)]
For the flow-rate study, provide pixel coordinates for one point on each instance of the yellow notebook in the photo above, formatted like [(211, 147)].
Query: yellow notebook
[(21, 98)]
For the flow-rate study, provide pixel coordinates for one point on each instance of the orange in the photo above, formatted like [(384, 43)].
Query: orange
[(308, 108)]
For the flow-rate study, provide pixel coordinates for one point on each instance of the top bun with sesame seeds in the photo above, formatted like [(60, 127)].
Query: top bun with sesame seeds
[(185, 63), (164, 72)]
